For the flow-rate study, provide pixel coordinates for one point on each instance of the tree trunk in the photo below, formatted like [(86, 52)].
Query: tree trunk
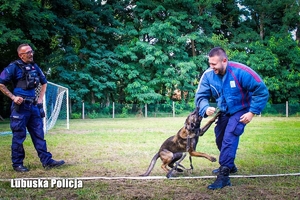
[(93, 97), (261, 26)]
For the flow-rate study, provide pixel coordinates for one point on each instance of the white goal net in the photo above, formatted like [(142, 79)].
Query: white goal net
[(56, 106)]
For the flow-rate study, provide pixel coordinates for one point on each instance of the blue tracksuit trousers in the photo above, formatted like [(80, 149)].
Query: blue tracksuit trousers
[(228, 131)]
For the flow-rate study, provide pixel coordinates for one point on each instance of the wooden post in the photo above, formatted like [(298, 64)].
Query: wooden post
[(173, 109), (146, 110), (287, 109), (113, 111), (82, 109)]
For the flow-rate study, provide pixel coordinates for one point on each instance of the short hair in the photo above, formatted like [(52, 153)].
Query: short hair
[(22, 45), (217, 51)]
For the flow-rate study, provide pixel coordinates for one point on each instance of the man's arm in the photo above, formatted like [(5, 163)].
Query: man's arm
[(260, 95), (42, 93), (203, 95), (252, 82), (5, 91)]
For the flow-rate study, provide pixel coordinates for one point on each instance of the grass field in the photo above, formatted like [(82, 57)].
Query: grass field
[(124, 147)]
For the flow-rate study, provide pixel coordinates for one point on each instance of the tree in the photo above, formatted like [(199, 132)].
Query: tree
[(138, 51), (83, 58), (275, 55), (22, 22), (164, 52)]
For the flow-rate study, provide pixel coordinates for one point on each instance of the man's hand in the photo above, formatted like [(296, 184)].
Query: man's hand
[(210, 111), (42, 112), (18, 100), (246, 118)]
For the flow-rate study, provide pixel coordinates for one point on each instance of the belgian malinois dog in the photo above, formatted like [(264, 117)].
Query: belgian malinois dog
[(173, 149)]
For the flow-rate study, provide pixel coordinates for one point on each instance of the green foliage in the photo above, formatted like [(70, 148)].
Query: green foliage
[(75, 115), (141, 51), (124, 113), (93, 115)]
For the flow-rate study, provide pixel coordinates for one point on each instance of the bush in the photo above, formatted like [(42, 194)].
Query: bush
[(93, 115), (75, 116)]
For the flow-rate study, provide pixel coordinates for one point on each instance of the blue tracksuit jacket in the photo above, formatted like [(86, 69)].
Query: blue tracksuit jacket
[(240, 88)]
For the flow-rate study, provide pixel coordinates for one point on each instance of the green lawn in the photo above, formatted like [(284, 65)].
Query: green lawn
[(124, 148)]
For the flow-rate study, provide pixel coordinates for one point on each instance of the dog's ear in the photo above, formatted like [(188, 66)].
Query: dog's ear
[(199, 116), (196, 111)]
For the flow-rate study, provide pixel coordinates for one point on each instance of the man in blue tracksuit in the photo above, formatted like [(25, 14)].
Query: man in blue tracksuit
[(240, 94), (26, 110)]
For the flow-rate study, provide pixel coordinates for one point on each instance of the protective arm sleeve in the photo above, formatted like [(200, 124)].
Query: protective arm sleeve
[(260, 94), (202, 96)]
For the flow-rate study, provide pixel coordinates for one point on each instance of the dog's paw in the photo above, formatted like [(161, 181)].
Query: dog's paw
[(213, 159), (169, 174), (178, 170)]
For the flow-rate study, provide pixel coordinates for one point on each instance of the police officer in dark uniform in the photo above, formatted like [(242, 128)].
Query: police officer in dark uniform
[(26, 110)]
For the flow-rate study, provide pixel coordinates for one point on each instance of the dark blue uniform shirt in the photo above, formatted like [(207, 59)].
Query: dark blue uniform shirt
[(13, 73)]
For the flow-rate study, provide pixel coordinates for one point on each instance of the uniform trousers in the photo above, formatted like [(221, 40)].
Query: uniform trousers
[(27, 115), (228, 131)]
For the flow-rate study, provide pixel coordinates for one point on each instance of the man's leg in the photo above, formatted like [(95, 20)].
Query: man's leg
[(231, 140), (35, 128), (219, 133), (228, 150), (18, 127), (220, 129)]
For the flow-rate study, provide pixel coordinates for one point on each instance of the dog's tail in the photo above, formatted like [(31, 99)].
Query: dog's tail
[(152, 163)]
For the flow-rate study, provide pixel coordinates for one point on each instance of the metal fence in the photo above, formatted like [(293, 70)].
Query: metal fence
[(172, 109)]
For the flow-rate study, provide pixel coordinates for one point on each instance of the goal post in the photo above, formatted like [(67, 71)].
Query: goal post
[(56, 106)]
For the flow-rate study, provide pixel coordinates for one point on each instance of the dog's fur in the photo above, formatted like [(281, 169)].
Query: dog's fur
[(172, 150)]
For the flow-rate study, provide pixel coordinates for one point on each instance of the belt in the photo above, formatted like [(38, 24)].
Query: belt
[(29, 99)]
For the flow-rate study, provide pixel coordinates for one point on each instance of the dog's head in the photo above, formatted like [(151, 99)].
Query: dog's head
[(192, 123)]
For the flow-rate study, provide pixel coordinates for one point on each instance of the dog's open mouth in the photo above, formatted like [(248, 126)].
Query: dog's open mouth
[(193, 127)]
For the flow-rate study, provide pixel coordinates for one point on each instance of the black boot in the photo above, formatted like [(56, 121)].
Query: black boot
[(222, 179), (233, 170)]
